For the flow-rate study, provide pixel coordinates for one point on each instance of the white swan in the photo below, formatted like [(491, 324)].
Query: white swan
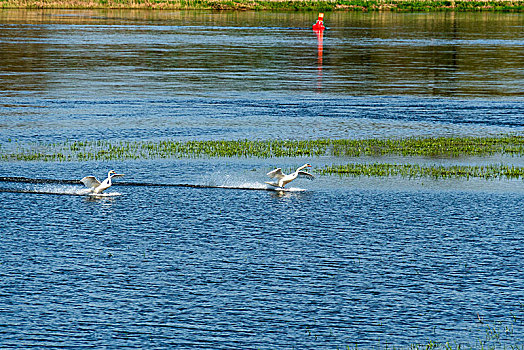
[(283, 179), (95, 186)]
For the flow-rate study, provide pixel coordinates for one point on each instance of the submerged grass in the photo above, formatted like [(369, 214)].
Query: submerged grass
[(122, 150), (283, 5), (441, 147), (503, 334), (434, 171)]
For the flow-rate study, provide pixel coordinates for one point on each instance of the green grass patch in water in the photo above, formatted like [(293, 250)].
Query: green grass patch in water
[(408, 147), (420, 171), (121, 150)]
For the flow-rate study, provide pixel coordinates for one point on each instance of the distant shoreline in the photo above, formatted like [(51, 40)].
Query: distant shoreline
[(274, 5)]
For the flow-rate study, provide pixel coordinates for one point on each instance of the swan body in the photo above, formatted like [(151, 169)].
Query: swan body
[(96, 186), (283, 179)]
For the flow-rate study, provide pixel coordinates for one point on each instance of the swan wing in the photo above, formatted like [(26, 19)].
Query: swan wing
[(276, 173), (116, 175), (305, 175), (90, 182)]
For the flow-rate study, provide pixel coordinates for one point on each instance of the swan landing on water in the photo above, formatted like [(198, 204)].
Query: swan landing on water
[(283, 179), (95, 186)]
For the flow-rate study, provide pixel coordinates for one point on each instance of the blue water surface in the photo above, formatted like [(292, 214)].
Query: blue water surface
[(336, 263), (222, 269)]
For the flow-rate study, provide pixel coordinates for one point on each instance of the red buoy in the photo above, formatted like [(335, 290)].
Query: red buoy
[(319, 24)]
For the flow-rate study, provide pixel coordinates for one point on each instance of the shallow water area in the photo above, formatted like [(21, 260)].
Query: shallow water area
[(197, 253)]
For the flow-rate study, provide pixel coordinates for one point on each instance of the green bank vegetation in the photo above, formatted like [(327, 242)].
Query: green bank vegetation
[(279, 5), (436, 147)]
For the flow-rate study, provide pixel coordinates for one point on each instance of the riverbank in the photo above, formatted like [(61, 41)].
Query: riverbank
[(274, 5)]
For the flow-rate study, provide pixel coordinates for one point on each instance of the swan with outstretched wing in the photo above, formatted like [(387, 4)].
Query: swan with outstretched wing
[(283, 179), (96, 186)]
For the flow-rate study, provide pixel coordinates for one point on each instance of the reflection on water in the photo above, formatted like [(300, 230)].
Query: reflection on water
[(205, 75), (320, 49), (125, 53)]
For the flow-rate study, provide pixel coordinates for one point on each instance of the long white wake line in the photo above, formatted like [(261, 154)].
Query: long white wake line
[(87, 193), (78, 192), (253, 186), (68, 190), (229, 181), (68, 187)]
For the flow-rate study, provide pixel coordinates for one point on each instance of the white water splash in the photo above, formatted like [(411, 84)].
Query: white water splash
[(73, 191), (108, 194), (290, 189), (226, 180), (236, 181), (249, 185)]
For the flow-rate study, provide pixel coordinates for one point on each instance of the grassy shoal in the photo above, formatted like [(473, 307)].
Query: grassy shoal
[(486, 172), (96, 150), (438, 147), (274, 5)]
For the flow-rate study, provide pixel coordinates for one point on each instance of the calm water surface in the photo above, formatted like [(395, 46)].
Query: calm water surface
[(200, 75), (349, 261)]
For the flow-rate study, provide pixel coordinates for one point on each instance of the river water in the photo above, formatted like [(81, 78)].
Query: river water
[(349, 261)]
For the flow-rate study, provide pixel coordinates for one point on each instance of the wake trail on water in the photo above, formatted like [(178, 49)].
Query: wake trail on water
[(254, 186), (60, 191), (53, 186), (68, 190)]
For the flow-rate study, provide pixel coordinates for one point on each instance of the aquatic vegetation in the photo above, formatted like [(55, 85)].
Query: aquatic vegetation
[(430, 147), (493, 336), (439, 147), (164, 149), (107, 150), (293, 5), (432, 171)]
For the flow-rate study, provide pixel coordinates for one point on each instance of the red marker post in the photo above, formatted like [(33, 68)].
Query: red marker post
[(318, 28), (319, 24)]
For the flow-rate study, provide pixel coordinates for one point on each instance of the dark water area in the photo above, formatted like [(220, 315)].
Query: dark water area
[(335, 262)]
